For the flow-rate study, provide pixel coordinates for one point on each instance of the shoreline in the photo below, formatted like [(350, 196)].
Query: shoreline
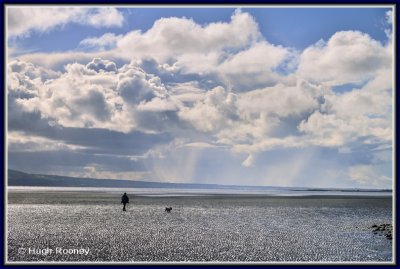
[(13, 196), (197, 193), (91, 197)]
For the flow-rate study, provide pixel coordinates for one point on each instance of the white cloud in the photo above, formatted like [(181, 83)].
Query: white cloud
[(74, 99), (104, 17), (97, 171), (233, 52), (172, 37), (369, 175), (23, 20), (100, 95), (361, 102), (186, 91), (213, 112), (281, 100), (57, 61), (192, 46), (249, 161), (157, 104), (200, 145), (253, 65), (328, 129), (347, 57), (344, 118), (98, 64), (21, 68), (268, 144), (389, 16), (19, 141), (96, 95), (104, 42)]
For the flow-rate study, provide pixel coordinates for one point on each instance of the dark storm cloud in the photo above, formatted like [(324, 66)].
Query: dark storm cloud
[(95, 104), (48, 161), (100, 141)]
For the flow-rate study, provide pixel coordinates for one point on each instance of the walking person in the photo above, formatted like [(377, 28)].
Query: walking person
[(124, 201)]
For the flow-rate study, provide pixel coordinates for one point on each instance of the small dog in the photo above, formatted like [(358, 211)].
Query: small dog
[(168, 209)]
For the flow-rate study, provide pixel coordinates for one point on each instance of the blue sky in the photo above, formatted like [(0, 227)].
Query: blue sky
[(305, 27), (251, 96)]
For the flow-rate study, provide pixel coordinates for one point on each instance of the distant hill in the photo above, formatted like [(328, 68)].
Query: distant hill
[(17, 178)]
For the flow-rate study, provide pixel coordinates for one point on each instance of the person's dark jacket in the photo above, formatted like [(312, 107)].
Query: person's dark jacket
[(125, 199)]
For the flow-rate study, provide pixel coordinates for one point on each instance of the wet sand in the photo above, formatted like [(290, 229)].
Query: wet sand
[(210, 228)]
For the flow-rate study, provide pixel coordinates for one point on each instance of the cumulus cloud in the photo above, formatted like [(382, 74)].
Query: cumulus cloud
[(282, 100), (363, 113), (23, 20), (234, 52), (128, 98), (104, 17), (328, 130), (73, 103), (254, 65), (95, 95), (213, 112), (171, 37), (29, 71), (347, 57), (58, 61), (98, 64)]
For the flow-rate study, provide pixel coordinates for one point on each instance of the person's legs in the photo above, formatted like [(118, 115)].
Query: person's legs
[(123, 209)]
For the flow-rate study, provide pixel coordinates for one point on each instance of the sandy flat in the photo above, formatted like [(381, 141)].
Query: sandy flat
[(199, 228)]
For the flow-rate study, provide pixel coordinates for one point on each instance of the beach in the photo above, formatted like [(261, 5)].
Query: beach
[(90, 226)]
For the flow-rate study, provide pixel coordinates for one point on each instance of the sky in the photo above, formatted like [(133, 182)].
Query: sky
[(297, 97)]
